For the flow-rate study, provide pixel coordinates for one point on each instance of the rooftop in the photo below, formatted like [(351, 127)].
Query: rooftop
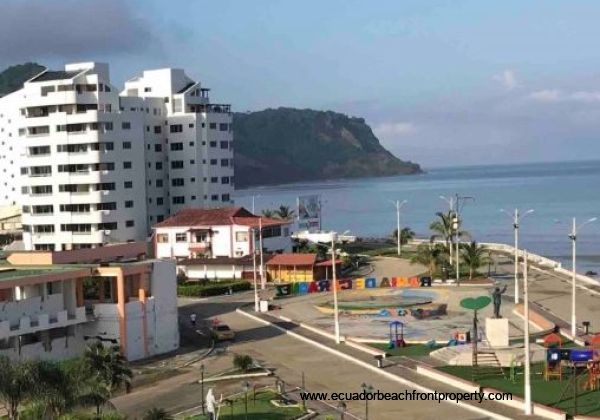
[(293, 259), (13, 273), (55, 75), (218, 217)]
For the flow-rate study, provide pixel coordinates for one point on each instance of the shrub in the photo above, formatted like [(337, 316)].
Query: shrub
[(242, 362), (211, 289)]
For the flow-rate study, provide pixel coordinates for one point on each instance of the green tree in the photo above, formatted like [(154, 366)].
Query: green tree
[(58, 387), (242, 362), (285, 212), (442, 227), (108, 372), (268, 213), (474, 256), (18, 382), (406, 234), (430, 255), (156, 414)]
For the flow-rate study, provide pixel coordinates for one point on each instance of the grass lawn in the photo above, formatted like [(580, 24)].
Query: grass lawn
[(261, 409), (545, 392), (410, 350)]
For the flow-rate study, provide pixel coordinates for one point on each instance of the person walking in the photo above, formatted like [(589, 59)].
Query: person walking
[(193, 318)]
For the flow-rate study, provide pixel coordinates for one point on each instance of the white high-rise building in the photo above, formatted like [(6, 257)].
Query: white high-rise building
[(90, 166)]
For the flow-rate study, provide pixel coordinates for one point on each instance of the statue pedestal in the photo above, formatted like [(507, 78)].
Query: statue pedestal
[(496, 331)]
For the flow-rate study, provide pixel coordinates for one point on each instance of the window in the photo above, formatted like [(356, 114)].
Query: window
[(225, 145), (75, 208), (158, 147), (43, 209), (128, 184), (177, 182), (129, 204), (192, 180), (213, 161), (157, 129), (175, 128), (176, 146), (212, 144), (214, 197), (158, 166), (159, 183), (192, 161), (129, 223), (212, 126), (224, 162), (179, 200), (41, 189), (106, 226), (126, 165), (225, 197), (223, 127), (147, 89), (225, 180), (241, 236), (126, 145), (191, 144), (76, 227), (43, 228), (177, 164), (160, 218), (162, 237), (126, 125), (214, 180), (159, 201), (180, 237), (106, 206)]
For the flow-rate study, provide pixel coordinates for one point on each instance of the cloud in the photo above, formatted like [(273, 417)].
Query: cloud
[(66, 29), (394, 129), (555, 95), (507, 78)]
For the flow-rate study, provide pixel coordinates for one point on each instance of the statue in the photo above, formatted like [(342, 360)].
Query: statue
[(497, 298), (211, 404)]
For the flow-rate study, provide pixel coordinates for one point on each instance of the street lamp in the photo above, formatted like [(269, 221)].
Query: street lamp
[(256, 304), (246, 388), (516, 218), (367, 390), (527, 391), (263, 282), (202, 385), (573, 236), (336, 315), (254, 197), (341, 407), (399, 205), (456, 226), (450, 202)]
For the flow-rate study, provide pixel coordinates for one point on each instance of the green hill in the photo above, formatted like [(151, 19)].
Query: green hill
[(13, 77), (291, 145)]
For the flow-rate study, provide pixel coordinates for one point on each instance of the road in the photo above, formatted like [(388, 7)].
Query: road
[(289, 358)]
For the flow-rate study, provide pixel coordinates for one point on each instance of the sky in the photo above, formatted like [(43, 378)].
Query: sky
[(441, 83)]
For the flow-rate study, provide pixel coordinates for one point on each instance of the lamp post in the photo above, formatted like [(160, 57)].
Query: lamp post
[(456, 226), (253, 198), (256, 304), (336, 315), (202, 386), (263, 282), (246, 388), (516, 218), (573, 236), (450, 202), (399, 205), (527, 391), (368, 390)]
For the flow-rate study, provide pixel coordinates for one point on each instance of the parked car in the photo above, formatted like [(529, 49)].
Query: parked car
[(222, 332)]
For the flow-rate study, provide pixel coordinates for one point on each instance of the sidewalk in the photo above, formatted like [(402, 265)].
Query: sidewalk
[(399, 370)]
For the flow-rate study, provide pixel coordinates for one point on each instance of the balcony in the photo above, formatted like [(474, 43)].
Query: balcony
[(40, 322)]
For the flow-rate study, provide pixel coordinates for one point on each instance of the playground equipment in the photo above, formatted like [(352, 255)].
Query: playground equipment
[(395, 339), (553, 365)]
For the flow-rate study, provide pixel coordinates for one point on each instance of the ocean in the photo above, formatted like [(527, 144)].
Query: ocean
[(556, 191)]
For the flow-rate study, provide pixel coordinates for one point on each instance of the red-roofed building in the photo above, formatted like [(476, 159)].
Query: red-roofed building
[(218, 232)]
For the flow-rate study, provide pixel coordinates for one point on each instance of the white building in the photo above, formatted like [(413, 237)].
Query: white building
[(90, 166), (221, 232), (53, 311)]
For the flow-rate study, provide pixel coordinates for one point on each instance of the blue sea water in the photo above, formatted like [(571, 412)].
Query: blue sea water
[(556, 191)]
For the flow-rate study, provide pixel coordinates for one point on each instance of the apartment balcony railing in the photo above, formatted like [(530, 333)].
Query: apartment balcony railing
[(42, 322)]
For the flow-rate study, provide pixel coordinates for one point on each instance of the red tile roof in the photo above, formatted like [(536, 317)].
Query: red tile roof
[(217, 217), (293, 259)]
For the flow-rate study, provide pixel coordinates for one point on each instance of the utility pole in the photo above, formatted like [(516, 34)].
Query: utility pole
[(399, 205), (456, 226), (516, 219), (256, 304), (527, 391), (263, 281)]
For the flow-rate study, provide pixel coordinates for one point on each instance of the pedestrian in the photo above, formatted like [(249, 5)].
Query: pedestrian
[(193, 318)]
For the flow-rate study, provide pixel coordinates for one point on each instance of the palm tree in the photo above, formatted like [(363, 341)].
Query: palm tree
[(406, 234), (430, 255), (474, 255), (284, 212), (17, 383), (58, 388), (442, 227), (108, 372), (156, 414), (268, 213)]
